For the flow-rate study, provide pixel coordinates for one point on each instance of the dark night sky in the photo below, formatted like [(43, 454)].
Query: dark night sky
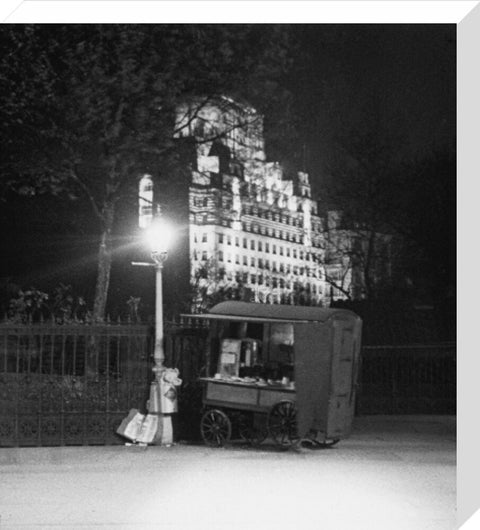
[(403, 76)]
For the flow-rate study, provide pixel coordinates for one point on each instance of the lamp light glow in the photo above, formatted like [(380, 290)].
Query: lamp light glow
[(159, 236)]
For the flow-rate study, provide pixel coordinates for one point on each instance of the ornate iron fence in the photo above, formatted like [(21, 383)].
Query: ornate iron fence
[(73, 384), (408, 379), (185, 344), (70, 384)]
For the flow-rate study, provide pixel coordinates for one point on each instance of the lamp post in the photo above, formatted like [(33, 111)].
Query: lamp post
[(159, 236)]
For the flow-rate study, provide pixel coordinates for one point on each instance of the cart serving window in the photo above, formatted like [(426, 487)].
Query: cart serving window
[(288, 372)]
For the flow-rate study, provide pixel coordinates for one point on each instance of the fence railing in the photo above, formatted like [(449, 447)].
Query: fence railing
[(408, 379), (73, 384), (70, 384)]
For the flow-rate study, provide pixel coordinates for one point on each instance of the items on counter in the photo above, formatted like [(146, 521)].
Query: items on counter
[(285, 382)]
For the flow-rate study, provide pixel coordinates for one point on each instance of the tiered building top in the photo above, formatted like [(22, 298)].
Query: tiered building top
[(250, 227), (254, 233)]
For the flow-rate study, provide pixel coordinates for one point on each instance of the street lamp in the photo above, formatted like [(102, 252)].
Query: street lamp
[(159, 236), (163, 396)]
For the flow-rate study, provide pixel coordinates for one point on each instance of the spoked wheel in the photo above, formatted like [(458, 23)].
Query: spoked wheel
[(250, 431), (215, 428), (282, 423)]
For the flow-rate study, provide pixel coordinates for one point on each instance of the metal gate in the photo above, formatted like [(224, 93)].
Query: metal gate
[(70, 384)]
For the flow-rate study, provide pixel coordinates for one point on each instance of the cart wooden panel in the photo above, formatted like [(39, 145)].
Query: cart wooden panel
[(244, 396)]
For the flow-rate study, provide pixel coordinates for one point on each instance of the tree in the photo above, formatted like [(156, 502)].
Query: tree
[(88, 109), (423, 204), (397, 215), (358, 229)]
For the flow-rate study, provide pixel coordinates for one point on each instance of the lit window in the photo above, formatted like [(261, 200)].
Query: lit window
[(145, 201)]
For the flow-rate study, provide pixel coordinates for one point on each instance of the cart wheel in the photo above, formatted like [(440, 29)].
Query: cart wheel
[(282, 423), (249, 432), (216, 428)]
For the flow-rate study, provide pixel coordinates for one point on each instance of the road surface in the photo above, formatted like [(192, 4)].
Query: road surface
[(395, 473)]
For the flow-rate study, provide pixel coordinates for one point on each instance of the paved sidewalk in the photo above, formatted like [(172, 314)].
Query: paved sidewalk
[(394, 472)]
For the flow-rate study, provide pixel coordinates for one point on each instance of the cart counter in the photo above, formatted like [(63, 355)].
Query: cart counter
[(243, 395)]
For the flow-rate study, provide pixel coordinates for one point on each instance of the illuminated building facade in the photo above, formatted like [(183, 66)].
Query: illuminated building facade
[(253, 233)]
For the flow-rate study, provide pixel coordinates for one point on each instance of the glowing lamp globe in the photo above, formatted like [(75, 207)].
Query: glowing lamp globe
[(159, 236)]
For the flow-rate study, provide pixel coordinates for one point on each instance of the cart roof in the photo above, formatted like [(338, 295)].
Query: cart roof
[(253, 312)]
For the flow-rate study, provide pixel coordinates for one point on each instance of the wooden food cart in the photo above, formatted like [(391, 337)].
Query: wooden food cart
[(288, 372)]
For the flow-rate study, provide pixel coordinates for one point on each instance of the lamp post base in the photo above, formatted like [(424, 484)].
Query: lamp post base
[(164, 429), (164, 433)]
